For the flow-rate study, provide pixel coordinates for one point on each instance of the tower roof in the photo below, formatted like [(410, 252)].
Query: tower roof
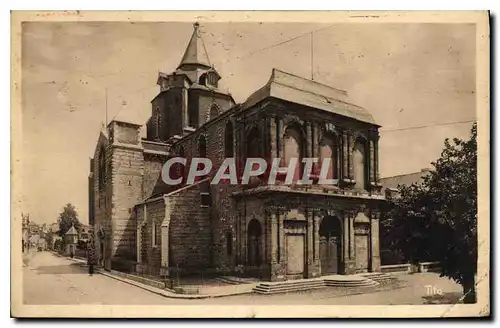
[(71, 232), (196, 53)]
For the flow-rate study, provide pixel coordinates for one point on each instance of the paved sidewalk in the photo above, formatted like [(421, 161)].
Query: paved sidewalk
[(208, 292)]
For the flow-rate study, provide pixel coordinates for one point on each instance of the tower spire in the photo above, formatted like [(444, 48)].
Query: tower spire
[(195, 55)]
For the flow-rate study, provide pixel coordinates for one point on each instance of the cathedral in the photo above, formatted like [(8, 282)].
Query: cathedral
[(272, 232)]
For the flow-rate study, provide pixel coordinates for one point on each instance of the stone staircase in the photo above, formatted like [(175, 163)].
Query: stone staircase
[(288, 286), (344, 281), (351, 281)]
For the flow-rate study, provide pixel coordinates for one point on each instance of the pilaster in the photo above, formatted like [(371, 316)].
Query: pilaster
[(350, 264), (375, 242)]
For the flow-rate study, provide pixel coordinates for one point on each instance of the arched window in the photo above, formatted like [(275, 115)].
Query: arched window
[(359, 162), (102, 168), (253, 143), (203, 79), (202, 147), (293, 148), (229, 140), (214, 111), (329, 148)]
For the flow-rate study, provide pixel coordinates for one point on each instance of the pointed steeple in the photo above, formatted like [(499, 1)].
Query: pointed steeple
[(195, 55)]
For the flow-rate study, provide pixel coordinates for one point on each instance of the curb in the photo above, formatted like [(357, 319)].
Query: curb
[(166, 293)]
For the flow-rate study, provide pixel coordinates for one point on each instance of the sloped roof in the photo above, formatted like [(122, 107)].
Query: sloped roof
[(403, 179), (306, 92), (196, 53), (71, 231)]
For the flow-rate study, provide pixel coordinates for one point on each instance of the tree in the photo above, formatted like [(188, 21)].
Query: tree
[(436, 218), (68, 218)]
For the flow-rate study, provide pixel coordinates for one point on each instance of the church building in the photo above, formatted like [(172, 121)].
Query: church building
[(273, 232)]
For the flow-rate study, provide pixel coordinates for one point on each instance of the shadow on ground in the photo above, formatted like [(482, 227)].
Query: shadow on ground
[(73, 268), (445, 298)]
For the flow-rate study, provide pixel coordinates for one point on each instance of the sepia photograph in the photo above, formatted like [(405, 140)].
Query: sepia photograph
[(250, 164)]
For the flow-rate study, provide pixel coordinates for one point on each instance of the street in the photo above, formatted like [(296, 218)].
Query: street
[(49, 279)]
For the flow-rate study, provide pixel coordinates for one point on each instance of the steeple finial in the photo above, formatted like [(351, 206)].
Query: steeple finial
[(195, 54)]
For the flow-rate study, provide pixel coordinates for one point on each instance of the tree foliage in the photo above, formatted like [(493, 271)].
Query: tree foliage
[(436, 218), (67, 218)]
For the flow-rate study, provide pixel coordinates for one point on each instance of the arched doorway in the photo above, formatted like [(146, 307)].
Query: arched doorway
[(330, 245), (254, 241)]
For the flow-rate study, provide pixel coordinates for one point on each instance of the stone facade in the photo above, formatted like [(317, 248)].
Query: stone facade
[(271, 231)]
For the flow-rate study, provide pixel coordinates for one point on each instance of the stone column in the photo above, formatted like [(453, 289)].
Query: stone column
[(314, 140), (345, 242), (350, 139), (376, 161), (272, 136), (350, 263), (375, 242), (165, 244), (310, 245), (372, 161), (273, 238), (164, 249), (345, 155), (281, 237), (139, 243), (309, 150)]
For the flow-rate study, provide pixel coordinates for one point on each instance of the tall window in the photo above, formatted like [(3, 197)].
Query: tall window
[(202, 147), (293, 146), (329, 148), (253, 147), (154, 242), (229, 140), (102, 168), (359, 162)]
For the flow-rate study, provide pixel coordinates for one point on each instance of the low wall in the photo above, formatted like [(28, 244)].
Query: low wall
[(429, 267), (409, 268), (396, 268)]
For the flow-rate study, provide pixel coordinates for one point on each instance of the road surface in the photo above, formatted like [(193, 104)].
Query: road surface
[(49, 279)]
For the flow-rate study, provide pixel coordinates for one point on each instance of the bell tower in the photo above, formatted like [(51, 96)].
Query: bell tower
[(189, 96)]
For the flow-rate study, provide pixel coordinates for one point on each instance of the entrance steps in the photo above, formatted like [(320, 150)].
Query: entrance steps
[(288, 286), (349, 281)]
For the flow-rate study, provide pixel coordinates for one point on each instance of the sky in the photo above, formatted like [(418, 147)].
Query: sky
[(407, 75)]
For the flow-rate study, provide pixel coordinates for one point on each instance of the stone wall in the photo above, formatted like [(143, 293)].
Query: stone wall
[(190, 233), (151, 253), (127, 172)]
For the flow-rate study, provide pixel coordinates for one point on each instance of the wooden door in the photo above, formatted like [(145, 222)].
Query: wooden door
[(329, 250)]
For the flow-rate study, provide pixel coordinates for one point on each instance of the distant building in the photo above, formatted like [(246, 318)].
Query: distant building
[(54, 228), (390, 186), (84, 233)]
